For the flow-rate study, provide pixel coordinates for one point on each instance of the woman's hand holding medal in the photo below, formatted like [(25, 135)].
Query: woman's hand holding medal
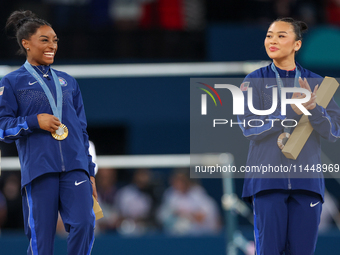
[(310, 105), (48, 122), (52, 124)]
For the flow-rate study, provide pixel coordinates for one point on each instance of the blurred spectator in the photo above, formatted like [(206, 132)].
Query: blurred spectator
[(333, 12), (11, 191), (283, 8), (136, 204), (194, 14), (173, 14), (265, 11), (158, 28), (106, 181), (3, 210), (187, 209), (69, 14), (71, 21), (126, 13), (310, 11)]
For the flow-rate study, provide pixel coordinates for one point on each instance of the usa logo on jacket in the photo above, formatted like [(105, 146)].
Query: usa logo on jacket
[(62, 81)]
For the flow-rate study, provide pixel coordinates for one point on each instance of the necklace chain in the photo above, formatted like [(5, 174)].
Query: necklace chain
[(45, 75)]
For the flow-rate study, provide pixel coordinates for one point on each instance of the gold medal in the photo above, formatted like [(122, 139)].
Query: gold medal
[(61, 133), (282, 140)]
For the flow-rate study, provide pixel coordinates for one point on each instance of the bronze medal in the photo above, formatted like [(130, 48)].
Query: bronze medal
[(282, 140), (61, 133)]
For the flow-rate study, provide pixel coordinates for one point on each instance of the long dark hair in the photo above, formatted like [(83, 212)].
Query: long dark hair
[(25, 24)]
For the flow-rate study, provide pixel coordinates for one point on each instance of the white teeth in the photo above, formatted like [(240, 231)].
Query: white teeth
[(50, 54)]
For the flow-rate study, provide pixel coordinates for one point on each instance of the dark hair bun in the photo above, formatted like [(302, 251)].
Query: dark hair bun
[(24, 25), (18, 18), (303, 26)]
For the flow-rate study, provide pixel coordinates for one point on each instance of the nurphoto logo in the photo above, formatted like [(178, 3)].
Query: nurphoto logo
[(238, 96)]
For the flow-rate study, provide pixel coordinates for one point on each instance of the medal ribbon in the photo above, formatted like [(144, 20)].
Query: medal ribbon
[(280, 84), (279, 81), (56, 108)]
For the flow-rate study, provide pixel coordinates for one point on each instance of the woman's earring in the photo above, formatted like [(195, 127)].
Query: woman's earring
[(27, 49)]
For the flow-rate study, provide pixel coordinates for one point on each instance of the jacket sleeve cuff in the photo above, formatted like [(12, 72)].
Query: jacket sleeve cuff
[(32, 122), (317, 112), (91, 169)]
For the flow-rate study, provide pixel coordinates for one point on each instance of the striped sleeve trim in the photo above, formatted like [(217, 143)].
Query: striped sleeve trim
[(333, 131), (13, 131)]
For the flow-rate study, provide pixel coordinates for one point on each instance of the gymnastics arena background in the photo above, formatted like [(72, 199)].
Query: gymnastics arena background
[(134, 77)]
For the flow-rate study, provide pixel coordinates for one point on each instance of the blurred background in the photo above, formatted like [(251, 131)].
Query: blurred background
[(160, 210)]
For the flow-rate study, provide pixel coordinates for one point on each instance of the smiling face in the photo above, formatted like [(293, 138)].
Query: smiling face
[(42, 46), (281, 43)]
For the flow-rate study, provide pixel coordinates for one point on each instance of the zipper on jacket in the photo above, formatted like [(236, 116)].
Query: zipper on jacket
[(289, 183), (62, 158)]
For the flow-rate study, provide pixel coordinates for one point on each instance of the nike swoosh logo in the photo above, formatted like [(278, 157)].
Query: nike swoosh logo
[(312, 205), (31, 83), (270, 86), (78, 183)]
